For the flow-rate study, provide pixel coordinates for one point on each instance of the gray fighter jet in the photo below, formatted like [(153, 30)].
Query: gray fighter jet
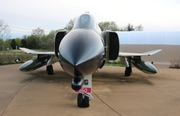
[(82, 51)]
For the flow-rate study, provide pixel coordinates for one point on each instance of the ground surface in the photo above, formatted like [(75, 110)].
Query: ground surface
[(38, 94)]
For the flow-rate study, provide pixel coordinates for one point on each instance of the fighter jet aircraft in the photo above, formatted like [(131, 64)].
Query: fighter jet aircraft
[(82, 51)]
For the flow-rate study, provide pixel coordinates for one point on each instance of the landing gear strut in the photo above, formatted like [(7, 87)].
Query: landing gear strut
[(128, 69), (84, 93)]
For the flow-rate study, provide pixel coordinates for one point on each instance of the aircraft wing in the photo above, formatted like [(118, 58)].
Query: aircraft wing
[(36, 52), (149, 53)]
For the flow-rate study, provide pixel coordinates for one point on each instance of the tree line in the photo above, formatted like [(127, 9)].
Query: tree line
[(39, 40), (109, 25)]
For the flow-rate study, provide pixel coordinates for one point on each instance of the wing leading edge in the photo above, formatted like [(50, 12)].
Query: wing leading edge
[(36, 52), (149, 53)]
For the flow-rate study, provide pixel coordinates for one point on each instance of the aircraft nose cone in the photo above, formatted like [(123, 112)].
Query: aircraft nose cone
[(80, 45)]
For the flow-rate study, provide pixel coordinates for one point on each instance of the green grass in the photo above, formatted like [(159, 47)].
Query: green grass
[(114, 64), (9, 56), (12, 52)]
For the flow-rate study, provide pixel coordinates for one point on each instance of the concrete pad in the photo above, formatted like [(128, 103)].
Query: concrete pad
[(11, 82), (36, 93)]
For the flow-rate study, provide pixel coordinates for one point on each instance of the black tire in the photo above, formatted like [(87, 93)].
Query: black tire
[(86, 101), (128, 71), (80, 100), (49, 70)]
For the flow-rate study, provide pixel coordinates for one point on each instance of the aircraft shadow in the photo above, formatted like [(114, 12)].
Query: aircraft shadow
[(120, 78), (61, 76)]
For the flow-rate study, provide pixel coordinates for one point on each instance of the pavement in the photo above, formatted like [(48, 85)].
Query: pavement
[(38, 94)]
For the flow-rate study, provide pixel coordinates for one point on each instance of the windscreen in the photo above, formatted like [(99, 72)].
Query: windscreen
[(85, 21)]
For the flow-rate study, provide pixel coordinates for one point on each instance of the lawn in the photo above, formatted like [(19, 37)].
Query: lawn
[(9, 56), (12, 52)]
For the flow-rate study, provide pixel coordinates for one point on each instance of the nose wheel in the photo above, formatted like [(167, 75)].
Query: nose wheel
[(82, 100)]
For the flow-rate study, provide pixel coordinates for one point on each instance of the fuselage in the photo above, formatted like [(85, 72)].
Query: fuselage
[(81, 51)]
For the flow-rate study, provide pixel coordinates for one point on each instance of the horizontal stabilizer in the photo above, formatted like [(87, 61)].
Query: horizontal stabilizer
[(127, 54)]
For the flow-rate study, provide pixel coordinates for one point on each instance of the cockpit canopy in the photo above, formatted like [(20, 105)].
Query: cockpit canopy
[(85, 21)]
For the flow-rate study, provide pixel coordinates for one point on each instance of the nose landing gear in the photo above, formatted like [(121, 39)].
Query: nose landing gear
[(84, 94)]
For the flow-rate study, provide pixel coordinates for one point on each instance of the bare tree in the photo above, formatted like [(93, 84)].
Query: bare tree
[(38, 32), (4, 30), (138, 28), (70, 25)]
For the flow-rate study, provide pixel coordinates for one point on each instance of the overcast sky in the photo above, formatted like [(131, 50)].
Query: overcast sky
[(24, 15)]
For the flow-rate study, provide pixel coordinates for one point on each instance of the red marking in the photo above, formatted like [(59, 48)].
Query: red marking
[(84, 90)]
